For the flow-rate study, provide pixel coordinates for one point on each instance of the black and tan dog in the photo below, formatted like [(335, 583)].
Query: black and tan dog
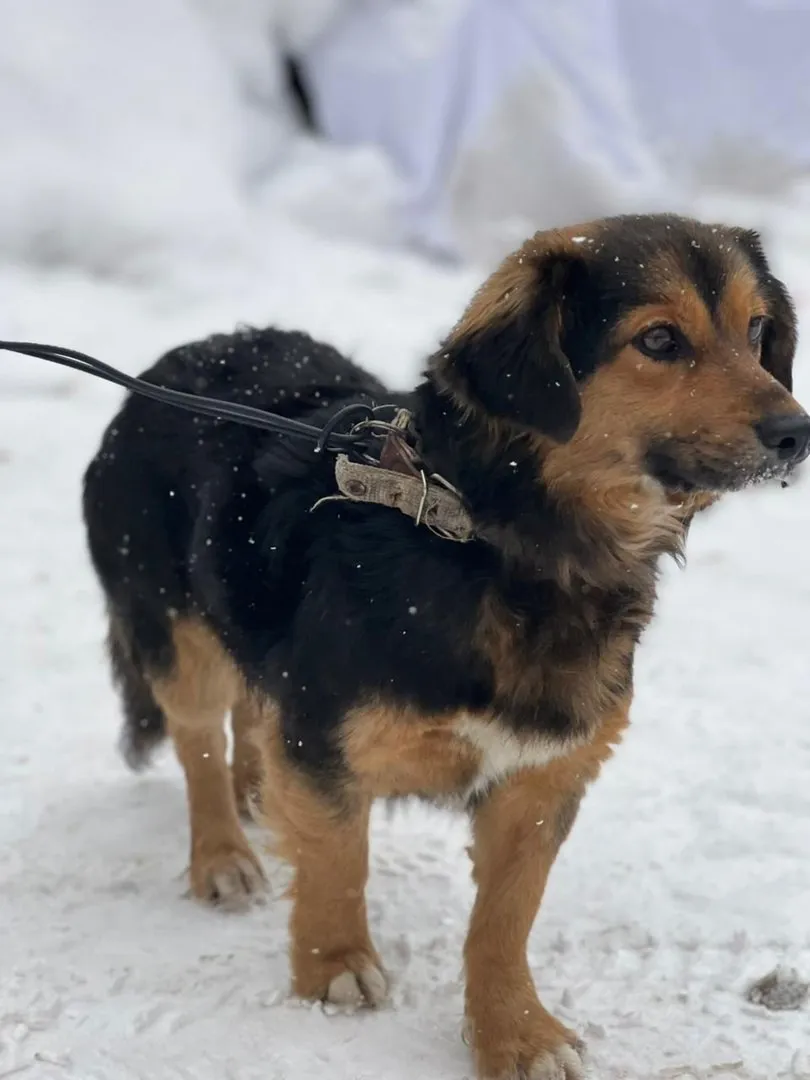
[(604, 384)]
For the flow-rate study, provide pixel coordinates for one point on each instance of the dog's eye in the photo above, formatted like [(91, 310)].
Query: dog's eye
[(660, 342), (756, 328)]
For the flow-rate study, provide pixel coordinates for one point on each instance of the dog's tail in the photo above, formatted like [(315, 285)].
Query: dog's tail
[(144, 725)]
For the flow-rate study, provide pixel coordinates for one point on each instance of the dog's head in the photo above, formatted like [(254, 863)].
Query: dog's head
[(646, 356)]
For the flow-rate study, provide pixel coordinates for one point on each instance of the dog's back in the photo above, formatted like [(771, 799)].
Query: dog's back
[(606, 383), (145, 490)]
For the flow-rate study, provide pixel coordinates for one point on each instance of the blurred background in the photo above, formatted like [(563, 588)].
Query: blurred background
[(354, 168), (184, 164), (202, 144)]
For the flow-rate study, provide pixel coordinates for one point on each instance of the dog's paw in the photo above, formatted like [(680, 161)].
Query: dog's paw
[(350, 989), (564, 1063), (346, 981), (228, 876), (524, 1043)]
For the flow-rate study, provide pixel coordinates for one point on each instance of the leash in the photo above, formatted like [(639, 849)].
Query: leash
[(395, 478), (368, 420)]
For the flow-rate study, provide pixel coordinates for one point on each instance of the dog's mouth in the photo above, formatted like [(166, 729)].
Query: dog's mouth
[(682, 471), (662, 467)]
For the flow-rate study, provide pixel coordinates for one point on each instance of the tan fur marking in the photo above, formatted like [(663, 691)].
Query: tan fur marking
[(497, 634), (633, 400), (600, 473), (740, 302), (714, 402), (517, 832), (196, 698), (327, 846), (527, 672), (246, 767), (684, 309), (396, 753), (682, 305), (511, 286), (393, 753), (502, 294)]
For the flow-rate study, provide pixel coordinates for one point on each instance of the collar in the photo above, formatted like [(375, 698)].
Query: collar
[(401, 482)]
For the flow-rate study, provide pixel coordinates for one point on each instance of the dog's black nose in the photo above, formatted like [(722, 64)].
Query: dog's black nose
[(789, 436)]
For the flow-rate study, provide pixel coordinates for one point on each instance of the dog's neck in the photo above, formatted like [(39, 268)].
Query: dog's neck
[(606, 537)]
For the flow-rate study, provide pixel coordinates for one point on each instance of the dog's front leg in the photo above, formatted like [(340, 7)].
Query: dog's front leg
[(517, 831), (324, 836)]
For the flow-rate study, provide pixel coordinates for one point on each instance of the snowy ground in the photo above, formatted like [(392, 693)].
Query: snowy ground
[(686, 876)]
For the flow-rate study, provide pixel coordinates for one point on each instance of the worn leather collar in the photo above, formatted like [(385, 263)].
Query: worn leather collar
[(401, 482)]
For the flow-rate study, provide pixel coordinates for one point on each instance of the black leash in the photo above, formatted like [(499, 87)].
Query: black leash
[(367, 421)]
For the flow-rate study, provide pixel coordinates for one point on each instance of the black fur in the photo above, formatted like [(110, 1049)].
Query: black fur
[(165, 484), (144, 722), (516, 369), (189, 515), (327, 609)]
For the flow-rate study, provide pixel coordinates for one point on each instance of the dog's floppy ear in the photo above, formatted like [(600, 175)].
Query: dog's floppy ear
[(504, 359), (779, 339)]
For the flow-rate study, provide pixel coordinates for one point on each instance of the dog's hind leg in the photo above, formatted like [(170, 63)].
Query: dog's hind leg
[(246, 768), (195, 696)]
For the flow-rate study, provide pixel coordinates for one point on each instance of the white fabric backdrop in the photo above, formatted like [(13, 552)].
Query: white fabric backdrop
[(553, 110), (133, 129)]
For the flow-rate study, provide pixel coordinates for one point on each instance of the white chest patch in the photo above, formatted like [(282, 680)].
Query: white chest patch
[(503, 752)]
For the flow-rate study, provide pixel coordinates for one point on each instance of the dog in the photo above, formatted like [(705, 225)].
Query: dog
[(455, 619)]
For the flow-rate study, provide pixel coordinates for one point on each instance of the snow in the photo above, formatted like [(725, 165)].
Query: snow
[(686, 876), (684, 880)]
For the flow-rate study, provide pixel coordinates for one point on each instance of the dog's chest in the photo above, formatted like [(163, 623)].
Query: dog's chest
[(499, 752), (448, 759), (557, 673), (552, 688)]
